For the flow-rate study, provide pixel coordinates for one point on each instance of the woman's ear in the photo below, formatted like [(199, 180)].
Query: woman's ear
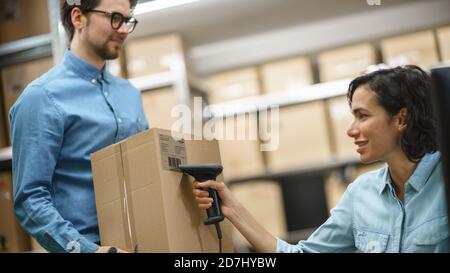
[(401, 119)]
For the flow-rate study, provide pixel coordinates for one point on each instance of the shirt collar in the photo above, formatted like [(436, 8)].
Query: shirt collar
[(420, 175), (385, 179), (83, 68)]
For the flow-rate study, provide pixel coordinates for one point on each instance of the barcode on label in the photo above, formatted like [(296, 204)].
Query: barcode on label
[(174, 162), (173, 153)]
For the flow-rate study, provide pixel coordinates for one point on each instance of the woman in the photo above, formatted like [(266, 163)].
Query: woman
[(398, 208)]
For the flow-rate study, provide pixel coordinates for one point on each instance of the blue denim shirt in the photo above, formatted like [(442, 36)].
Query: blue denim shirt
[(61, 118), (370, 217)]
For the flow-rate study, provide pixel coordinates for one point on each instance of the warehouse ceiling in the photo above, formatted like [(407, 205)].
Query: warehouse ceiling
[(207, 21)]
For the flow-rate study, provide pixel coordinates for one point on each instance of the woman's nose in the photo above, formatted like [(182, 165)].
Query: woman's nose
[(352, 131)]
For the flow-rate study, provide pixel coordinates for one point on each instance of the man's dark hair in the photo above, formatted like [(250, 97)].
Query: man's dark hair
[(66, 7), (409, 87)]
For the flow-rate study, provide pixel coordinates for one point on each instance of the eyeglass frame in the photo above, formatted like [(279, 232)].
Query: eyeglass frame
[(125, 19)]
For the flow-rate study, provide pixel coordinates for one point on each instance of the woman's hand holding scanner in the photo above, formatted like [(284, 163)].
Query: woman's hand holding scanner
[(233, 210), (204, 172), (205, 200)]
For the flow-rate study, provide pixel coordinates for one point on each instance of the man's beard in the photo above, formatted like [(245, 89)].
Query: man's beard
[(105, 52)]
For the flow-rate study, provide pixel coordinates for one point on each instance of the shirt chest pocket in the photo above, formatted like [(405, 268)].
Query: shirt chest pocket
[(370, 242), (432, 236), (132, 125)]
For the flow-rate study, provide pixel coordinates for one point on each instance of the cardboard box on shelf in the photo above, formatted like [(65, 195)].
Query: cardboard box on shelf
[(21, 19), (117, 67), (233, 84), (153, 55), (15, 78), (345, 62), (443, 35), (232, 149), (143, 201), (264, 200), (158, 105), (12, 237), (303, 138), (341, 119), (335, 186), (286, 75), (417, 48), (336, 182)]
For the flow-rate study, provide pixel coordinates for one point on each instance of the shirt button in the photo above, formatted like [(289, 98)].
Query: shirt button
[(94, 81), (106, 94), (119, 120)]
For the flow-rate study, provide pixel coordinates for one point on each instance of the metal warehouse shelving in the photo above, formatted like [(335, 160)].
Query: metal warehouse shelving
[(5, 159), (319, 91), (53, 44)]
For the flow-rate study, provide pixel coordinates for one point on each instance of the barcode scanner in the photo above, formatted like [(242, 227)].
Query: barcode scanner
[(202, 173)]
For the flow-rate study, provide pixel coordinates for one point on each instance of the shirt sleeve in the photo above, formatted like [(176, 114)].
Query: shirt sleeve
[(37, 133), (335, 235), (142, 115)]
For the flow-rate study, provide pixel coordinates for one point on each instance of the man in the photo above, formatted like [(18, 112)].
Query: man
[(62, 117)]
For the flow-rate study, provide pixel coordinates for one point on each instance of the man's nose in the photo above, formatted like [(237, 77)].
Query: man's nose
[(123, 29)]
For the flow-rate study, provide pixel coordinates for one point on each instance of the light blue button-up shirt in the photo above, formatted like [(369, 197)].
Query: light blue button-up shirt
[(370, 217), (61, 118)]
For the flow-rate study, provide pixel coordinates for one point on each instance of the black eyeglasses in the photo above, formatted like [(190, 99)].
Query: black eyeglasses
[(117, 19)]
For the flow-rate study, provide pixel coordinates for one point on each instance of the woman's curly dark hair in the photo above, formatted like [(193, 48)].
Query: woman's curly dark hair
[(405, 87)]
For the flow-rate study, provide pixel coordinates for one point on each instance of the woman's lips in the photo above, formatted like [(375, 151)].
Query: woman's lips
[(361, 145)]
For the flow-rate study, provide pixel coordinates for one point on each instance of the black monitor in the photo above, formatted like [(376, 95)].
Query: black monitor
[(441, 102)]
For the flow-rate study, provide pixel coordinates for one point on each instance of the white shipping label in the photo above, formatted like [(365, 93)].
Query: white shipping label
[(173, 152)]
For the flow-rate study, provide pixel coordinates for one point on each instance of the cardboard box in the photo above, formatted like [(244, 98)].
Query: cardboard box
[(336, 182), (241, 157), (141, 201), (264, 200), (12, 237), (286, 75), (346, 62), (233, 84), (335, 186), (15, 78), (115, 68), (341, 119), (443, 35), (158, 105), (417, 48), (21, 19), (153, 55), (118, 67), (303, 138)]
